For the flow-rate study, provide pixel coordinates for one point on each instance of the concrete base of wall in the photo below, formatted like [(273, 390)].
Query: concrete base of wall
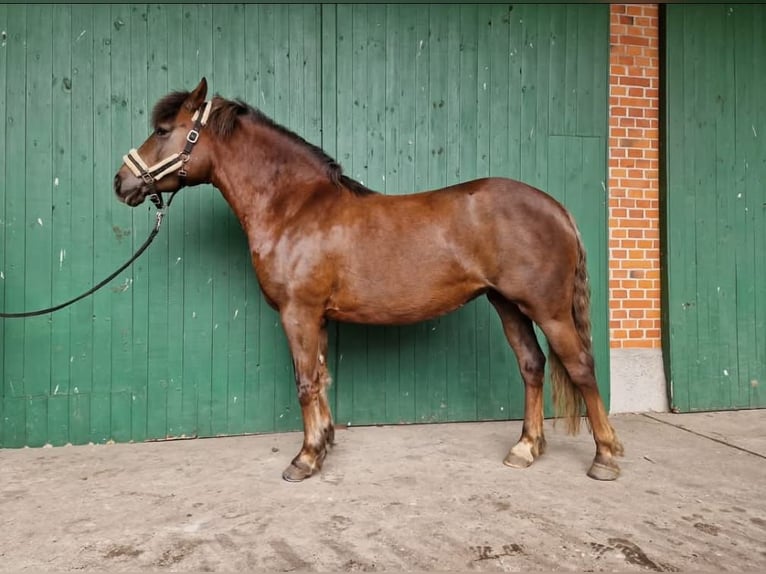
[(638, 381)]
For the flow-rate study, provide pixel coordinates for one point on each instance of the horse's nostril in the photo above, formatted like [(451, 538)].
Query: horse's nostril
[(117, 184)]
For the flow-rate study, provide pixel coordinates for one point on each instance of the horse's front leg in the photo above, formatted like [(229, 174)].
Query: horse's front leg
[(305, 332)]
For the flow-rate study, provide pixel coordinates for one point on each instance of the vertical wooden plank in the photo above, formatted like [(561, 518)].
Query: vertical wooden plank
[(352, 340), (418, 334), (583, 84), (599, 61), (103, 257), (58, 424), (355, 361), (135, 411), (746, 27), (704, 396), (236, 249), (503, 384), (261, 381), (744, 21), (529, 103), (3, 123), (486, 319), (460, 394), (498, 87), (101, 417), (287, 410), (542, 45), (15, 416), (37, 421), (675, 323), (61, 223), (464, 394), (252, 349), (757, 195), (724, 286), (191, 281), (594, 168), (120, 419), (405, 24), (221, 281), (38, 197), (118, 218), (327, 70), (556, 71), (374, 61), (171, 344), (158, 337), (79, 418), (83, 39), (571, 70), (433, 365)]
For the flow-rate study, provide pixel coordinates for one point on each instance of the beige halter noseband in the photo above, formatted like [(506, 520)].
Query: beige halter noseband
[(175, 162)]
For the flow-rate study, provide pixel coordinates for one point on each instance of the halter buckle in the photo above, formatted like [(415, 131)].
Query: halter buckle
[(192, 136), (148, 178)]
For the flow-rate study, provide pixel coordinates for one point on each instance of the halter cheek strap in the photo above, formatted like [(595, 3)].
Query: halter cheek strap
[(174, 162)]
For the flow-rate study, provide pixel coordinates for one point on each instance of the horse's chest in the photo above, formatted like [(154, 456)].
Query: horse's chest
[(281, 277)]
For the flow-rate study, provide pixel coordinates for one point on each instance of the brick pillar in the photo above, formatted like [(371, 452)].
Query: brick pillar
[(637, 373), (634, 235)]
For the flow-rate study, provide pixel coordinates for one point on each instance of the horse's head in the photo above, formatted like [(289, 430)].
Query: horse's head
[(175, 155)]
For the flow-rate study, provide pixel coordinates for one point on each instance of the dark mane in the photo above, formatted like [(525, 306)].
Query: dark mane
[(224, 119)]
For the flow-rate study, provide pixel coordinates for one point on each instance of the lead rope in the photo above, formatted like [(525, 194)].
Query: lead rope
[(157, 224)]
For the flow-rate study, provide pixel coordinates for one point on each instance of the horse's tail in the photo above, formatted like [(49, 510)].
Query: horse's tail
[(567, 399)]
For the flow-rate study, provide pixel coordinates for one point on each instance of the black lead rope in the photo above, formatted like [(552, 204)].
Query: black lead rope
[(158, 223)]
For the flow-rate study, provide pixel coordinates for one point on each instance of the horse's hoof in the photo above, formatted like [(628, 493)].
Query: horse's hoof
[(520, 456), (604, 471), (295, 473), (515, 461)]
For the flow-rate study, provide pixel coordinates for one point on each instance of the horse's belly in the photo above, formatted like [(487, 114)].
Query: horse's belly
[(400, 305)]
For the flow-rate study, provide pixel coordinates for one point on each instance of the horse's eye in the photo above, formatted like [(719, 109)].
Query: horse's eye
[(160, 131)]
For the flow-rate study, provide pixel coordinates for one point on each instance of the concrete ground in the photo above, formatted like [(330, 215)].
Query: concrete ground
[(437, 497)]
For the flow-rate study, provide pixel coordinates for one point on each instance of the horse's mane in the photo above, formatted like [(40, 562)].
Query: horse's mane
[(224, 119)]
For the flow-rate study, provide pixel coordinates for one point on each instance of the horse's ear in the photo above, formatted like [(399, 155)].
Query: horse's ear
[(197, 97)]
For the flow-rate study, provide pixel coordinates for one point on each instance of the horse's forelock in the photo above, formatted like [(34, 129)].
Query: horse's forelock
[(167, 108)]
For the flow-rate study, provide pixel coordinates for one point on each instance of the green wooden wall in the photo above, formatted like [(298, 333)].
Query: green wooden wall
[(715, 206), (182, 344)]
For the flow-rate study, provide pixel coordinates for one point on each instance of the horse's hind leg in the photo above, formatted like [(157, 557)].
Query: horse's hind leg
[(306, 335), (565, 342), (324, 383), (521, 336)]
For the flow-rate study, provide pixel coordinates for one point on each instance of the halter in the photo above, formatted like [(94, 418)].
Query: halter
[(175, 162)]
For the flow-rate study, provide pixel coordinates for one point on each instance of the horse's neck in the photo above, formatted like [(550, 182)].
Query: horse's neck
[(266, 182)]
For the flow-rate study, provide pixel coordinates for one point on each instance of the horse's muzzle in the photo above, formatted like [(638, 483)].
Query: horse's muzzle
[(132, 196)]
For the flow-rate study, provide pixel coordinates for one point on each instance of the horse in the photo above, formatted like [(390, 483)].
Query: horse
[(325, 247)]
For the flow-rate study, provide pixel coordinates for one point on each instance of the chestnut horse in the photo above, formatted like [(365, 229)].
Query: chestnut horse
[(325, 247)]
